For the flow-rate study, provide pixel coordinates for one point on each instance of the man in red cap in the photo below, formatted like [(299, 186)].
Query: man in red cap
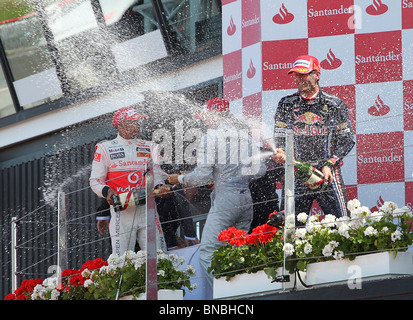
[(222, 160), (118, 167), (322, 136)]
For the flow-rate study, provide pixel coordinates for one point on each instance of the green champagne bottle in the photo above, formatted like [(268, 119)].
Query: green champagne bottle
[(310, 176)]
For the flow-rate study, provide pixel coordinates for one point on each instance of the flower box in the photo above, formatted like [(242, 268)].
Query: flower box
[(246, 284), (367, 267), (163, 294)]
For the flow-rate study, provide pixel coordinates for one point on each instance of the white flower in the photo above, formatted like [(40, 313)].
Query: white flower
[(376, 216), (114, 261), (343, 230), (308, 248), (370, 231), (328, 249), (353, 204), (86, 273), (87, 283), (174, 257), (288, 249), (357, 213), (396, 235), (138, 263), (338, 255), (162, 255), (50, 283), (366, 211), (37, 292), (290, 221), (401, 211), (300, 232), (329, 221), (312, 219), (342, 220), (129, 255), (191, 270), (193, 286), (313, 225), (356, 223), (54, 294), (302, 217), (385, 229), (388, 207), (161, 273)]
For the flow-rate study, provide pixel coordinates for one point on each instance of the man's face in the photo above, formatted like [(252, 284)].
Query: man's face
[(129, 129), (307, 83), (210, 119)]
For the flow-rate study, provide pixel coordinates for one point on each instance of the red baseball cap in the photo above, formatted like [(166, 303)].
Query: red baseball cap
[(127, 113), (214, 104), (305, 64)]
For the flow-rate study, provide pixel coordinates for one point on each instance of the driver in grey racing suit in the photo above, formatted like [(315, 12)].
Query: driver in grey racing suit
[(226, 158)]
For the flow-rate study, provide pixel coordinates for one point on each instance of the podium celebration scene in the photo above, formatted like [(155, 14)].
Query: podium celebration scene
[(206, 154)]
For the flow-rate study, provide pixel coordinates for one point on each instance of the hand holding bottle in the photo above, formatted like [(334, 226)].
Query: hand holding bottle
[(173, 178), (279, 156), (328, 175)]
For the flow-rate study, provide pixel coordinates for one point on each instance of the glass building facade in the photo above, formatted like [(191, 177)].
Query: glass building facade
[(52, 49)]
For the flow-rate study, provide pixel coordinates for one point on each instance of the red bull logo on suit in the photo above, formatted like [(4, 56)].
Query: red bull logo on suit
[(310, 120)]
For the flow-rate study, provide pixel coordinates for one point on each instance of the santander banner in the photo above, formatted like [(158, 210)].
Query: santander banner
[(365, 51)]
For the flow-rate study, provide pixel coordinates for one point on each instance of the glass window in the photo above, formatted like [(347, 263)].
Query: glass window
[(98, 39), (95, 41), (128, 19), (134, 24), (6, 103), (195, 24), (26, 50)]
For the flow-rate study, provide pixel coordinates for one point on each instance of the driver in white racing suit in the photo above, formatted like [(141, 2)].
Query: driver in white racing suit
[(118, 167)]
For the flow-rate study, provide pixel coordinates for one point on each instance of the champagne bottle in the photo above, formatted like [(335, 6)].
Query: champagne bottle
[(310, 176), (126, 200)]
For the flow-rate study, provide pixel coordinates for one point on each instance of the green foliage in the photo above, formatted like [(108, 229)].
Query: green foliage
[(231, 260), (389, 229), (10, 9)]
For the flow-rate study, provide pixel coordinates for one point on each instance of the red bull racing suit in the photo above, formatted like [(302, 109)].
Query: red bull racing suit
[(322, 136)]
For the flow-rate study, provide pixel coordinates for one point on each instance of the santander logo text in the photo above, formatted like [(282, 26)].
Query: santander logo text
[(331, 62), (390, 56), (377, 8), (283, 17)]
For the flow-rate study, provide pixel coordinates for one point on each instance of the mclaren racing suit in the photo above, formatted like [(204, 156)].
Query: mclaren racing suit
[(322, 136), (119, 164)]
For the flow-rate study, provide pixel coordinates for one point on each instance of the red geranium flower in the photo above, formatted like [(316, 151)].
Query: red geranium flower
[(10, 296), (233, 236)]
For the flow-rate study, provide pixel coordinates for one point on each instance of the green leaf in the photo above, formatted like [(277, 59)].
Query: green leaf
[(301, 265), (271, 273)]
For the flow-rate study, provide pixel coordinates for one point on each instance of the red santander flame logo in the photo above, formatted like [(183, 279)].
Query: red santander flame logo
[(331, 62), (377, 8), (379, 108), (251, 70), (232, 28), (283, 17), (380, 203)]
